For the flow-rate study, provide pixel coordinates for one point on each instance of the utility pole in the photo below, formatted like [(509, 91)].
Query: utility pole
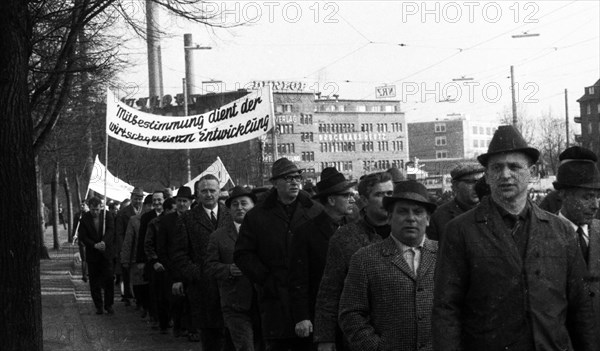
[(514, 101), (188, 163), (567, 116)]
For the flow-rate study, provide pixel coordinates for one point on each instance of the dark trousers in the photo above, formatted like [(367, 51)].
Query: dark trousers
[(141, 296), (159, 297), (291, 344), (213, 338), (101, 278), (243, 328), (179, 312)]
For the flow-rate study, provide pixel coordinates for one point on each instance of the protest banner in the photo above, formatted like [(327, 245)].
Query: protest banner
[(243, 119)]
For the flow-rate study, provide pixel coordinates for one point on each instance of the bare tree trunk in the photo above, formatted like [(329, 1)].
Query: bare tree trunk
[(41, 215), (69, 207), (20, 292), (54, 186), (78, 188)]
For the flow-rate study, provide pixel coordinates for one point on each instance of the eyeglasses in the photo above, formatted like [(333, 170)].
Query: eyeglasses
[(290, 178)]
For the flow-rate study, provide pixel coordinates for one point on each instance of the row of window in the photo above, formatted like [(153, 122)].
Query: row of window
[(336, 127), (342, 166), (338, 147), (307, 136), (481, 143), (382, 165), (308, 156), (482, 130), (285, 128), (358, 108), (288, 148), (306, 118), (588, 109)]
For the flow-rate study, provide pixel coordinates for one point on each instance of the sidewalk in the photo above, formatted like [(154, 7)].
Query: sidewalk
[(69, 320)]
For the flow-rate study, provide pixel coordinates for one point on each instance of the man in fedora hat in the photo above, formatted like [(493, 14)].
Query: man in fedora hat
[(123, 216), (510, 276), (372, 226), (262, 252), (309, 246), (164, 243), (464, 177), (393, 277), (238, 305), (578, 186)]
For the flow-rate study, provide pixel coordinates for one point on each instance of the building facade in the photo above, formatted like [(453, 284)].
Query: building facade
[(589, 106), (355, 136), (440, 144)]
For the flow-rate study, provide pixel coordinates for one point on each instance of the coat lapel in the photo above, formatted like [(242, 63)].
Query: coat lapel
[(428, 258), (390, 249)]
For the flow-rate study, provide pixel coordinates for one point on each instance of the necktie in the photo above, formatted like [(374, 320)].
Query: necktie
[(213, 219), (582, 244), (409, 256)]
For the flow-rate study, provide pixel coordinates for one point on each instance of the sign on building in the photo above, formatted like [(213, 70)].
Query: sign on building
[(386, 91)]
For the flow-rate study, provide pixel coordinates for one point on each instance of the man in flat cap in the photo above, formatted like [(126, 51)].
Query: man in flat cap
[(388, 293), (310, 243), (123, 216), (464, 177), (509, 275), (578, 186), (262, 252)]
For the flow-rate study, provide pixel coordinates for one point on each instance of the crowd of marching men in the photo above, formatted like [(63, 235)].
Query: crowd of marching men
[(373, 265)]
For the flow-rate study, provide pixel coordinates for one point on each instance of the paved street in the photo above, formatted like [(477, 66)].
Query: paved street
[(69, 319)]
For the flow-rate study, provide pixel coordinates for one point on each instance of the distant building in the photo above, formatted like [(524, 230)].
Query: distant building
[(589, 106), (355, 136), (440, 144)]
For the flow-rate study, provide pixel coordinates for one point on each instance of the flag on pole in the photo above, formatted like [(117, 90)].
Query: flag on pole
[(116, 189), (217, 169)]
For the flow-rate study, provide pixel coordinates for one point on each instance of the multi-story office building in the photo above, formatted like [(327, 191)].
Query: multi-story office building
[(440, 144), (355, 136), (589, 105)]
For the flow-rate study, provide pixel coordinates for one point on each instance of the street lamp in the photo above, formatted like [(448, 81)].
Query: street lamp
[(189, 85)]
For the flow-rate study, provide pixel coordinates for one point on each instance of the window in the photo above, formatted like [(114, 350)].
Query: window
[(307, 119), (279, 108), (475, 143), (284, 108), (361, 108), (441, 154), (286, 128), (341, 108), (474, 130), (488, 131), (589, 108), (440, 140), (440, 127), (481, 130), (389, 108), (397, 145), (591, 90), (308, 156)]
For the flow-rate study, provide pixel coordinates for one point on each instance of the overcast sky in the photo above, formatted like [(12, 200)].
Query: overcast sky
[(351, 47)]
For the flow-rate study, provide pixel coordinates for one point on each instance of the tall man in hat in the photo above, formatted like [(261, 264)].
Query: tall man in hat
[(371, 227), (510, 276), (240, 312), (164, 243), (464, 177), (310, 243), (578, 186), (123, 216), (96, 232), (262, 252), (188, 254), (388, 293)]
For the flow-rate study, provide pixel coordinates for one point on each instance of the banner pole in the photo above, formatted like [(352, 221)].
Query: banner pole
[(108, 96)]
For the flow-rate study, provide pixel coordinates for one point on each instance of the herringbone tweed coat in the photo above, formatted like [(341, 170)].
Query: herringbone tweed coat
[(594, 268), (384, 305)]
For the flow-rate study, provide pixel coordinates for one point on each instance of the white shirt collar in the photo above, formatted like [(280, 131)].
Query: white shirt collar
[(237, 226), (575, 226), (215, 210)]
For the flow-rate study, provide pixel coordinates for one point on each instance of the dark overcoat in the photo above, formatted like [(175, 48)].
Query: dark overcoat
[(487, 296), (188, 254), (343, 244), (89, 236), (122, 220), (262, 252), (384, 305), (441, 217), (236, 292), (594, 267), (307, 261)]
